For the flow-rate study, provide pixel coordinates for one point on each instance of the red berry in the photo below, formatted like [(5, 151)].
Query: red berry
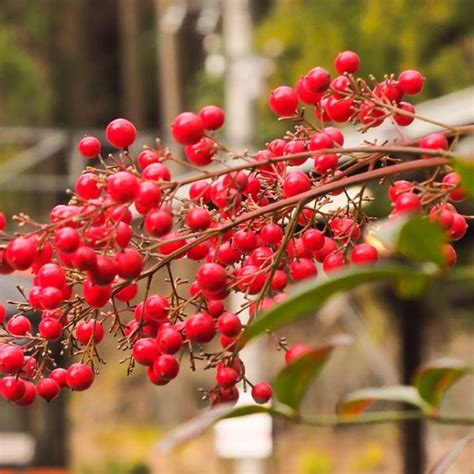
[(434, 141), (3, 313), (250, 279), (79, 377), (313, 239), (158, 222), (339, 110), (121, 133), (459, 228), (227, 377), (200, 191), (296, 182), (166, 367), (283, 101), (96, 296), (48, 389), (295, 352), (51, 329), (29, 396), (389, 90), (129, 264), (325, 163), (145, 351), (302, 268), (334, 261), (202, 152), (411, 82), (88, 330), (364, 253), (148, 196), (200, 328), (51, 274), (229, 324), (245, 240), (279, 280), (212, 277), (449, 255), (67, 239), (21, 253), (336, 135), (187, 128), (305, 94), (148, 157), (87, 186), (156, 308), (398, 188), (3, 222), (50, 297), (198, 218), (212, 117), (318, 80), (401, 119), (59, 375), (169, 340), (407, 202), (347, 61), (262, 392), (12, 389), (11, 359), (122, 186), (271, 234), (452, 181), (157, 172), (104, 271), (89, 147), (19, 325), (84, 258)]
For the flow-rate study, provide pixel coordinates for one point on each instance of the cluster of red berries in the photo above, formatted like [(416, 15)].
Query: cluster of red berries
[(253, 228)]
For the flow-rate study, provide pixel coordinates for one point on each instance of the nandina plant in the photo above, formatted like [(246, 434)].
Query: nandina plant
[(257, 223)]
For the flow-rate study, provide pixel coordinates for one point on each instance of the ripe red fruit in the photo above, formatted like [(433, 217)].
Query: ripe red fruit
[(87, 186), (156, 172), (434, 141), (11, 359), (198, 218), (459, 228), (89, 147), (51, 329), (3, 222), (325, 163), (347, 61), (169, 340), (201, 153), (279, 280), (67, 239), (122, 186), (167, 248), (129, 264), (212, 277), (305, 94), (283, 101), (51, 274), (84, 258), (96, 296), (296, 182), (334, 261), (48, 389), (87, 330), (187, 128), (364, 253), (158, 222), (250, 279), (318, 80), (407, 202), (50, 297), (313, 239), (145, 351), (262, 392), (229, 324), (200, 191), (295, 352), (212, 117), (245, 240), (401, 119), (156, 308), (271, 234), (449, 255), (302, 268), (29, 396), (12, 389), (339, 110), (227, 254), (200, 328), (19, 325), (227, 377), (59, 375), (389, 90), (21, 253), (104, 271), (452, 181), (148, 196), (3, 313), (398, 188), (166, 367), (79, 377), (411, 82), (148, 157), (121, 133)]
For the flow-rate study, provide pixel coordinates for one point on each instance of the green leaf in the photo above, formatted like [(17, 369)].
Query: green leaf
[(433, 379), (310, 296), (421, 240), (445, 462), (466, 169), (357, 402), (293, 381), (412, 287), (255, 409)]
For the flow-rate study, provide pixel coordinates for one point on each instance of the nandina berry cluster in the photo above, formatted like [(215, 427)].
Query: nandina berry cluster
[(109, 262)]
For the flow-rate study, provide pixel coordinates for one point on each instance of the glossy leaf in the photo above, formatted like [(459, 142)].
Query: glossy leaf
[(433, 379), (421, 240), (308, 297), (358, 401), (466, 169), (293, 381), (447, 460)]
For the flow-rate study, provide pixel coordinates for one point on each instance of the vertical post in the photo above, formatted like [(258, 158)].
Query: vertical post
[(412, 327)]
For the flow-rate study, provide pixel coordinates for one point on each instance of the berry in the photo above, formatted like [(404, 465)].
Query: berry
[(401, 119), (96, 296), (200, 328), (157, 172), (452, 181), (29, 396), (313, 239), (156, 308), (449, 255), (3, 222), (104, 271), (67, 239), (271, 234), (434, 141), (407, 202), (51, 274), (325, 163), (48, 389), (169, 340), (21, 253), (3, 313), (121, 133), (59, 375), (229, 324), (79, 377), (302, 268), (295, 352), (250, 279), (283, 101), (51, 329), (88, 330), (334, 261), (305, 94), (148, 196), (397, 188), (262, 392), (318, 80), (145, 351), (12, 389), (296, 182), (226, 377), (212, 117), (411, 82), (279, 280), (187, 128), (245, 240), (19, 326), (347, 61), (11, 359), (122, 186), (364, 253), (129, 264), (89, 147), (166, 367), (158, 222), (198, 218), (202, 152)]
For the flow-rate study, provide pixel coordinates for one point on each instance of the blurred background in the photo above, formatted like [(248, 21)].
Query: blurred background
[(68, 67)]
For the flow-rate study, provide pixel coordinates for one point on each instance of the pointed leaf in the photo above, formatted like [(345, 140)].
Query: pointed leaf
[(466, 169), (357, 402), (293, 381), (433, 379), (310, 296), (445, 462), (421, 240)]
